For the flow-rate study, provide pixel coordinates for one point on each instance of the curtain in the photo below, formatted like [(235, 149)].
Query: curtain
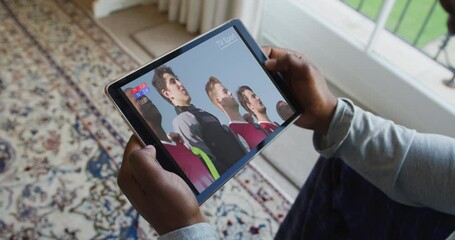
[(199, 16)]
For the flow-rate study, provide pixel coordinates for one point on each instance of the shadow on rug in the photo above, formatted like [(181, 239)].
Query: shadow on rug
[(61, 142)]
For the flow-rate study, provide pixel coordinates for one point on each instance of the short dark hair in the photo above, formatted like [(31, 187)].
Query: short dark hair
[(243, 100), (159, 82)]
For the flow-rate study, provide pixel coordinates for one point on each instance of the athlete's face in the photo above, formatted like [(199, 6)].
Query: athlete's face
[(284, 111), (254, 102), (176, 92), (224, 97)]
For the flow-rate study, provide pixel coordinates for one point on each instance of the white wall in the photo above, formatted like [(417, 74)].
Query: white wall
[(102, 8), (366, 77)]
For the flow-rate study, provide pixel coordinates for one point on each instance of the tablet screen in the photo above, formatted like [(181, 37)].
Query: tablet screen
[(212, 107)]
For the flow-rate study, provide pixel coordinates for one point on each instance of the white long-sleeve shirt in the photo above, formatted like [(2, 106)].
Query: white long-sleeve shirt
[(410, 167)]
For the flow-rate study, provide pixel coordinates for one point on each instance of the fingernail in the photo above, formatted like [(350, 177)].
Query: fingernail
[(149, 147)]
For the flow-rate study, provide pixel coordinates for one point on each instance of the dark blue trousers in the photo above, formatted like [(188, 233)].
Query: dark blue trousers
[(337, 203)]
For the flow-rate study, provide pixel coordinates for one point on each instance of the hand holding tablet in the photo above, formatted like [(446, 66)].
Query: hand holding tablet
[(159, 196), (317, 102)]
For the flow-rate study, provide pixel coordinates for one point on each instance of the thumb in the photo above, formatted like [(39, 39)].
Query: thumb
[(145, 168), (281, 64), (267, 50)]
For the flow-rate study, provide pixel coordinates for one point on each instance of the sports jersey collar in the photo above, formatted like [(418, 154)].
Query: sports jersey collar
[(238, 122), (266, 122), (179, 109), (169, 143)]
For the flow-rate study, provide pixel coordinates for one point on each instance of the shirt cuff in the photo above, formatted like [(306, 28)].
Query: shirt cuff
[(328, 144), (193, 232)]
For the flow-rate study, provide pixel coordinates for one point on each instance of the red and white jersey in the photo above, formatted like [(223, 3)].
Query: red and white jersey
[(268, 126), (252, 134), (191, 164)]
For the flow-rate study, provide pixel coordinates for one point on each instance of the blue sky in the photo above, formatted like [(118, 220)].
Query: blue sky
[(230, 61)]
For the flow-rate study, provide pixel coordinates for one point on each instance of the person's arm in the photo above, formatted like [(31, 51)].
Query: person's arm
[(410, 167), (187, 125)]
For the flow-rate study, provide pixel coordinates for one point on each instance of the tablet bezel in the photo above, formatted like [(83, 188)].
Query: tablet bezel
[(145, 134)]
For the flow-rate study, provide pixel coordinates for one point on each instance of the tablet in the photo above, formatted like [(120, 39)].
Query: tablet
[(208, 106)]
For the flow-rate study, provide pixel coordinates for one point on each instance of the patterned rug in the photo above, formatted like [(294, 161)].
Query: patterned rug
[(61, 142)]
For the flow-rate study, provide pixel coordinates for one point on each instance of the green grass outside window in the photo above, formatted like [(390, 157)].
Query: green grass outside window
[(412, 21)]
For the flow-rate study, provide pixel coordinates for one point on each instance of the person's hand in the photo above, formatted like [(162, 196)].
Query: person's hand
[(307, 85), (161, 197)]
